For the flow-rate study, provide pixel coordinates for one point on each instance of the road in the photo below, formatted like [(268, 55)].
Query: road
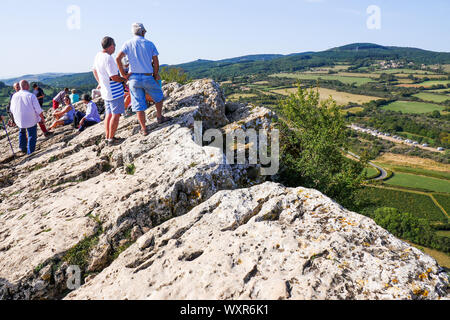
[(384, 173)]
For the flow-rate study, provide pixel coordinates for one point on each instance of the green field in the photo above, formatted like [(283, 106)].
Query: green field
[(422, 172), (371, 171), (434, 82), (444, 201), (419, 182), (443, 233), (419, 205), (432, 97), (303, 76), (413, 107)]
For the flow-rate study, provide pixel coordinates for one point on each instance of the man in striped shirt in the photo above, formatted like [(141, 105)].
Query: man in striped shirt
[(107, 74)]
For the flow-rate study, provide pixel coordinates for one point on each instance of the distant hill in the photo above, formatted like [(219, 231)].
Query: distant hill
[(34, 77), (353, 53), (77, 80), (356, 53)]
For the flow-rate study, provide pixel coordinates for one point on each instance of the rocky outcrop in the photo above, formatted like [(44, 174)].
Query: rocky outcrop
[(269, 242), (163, 217), (80, 202)]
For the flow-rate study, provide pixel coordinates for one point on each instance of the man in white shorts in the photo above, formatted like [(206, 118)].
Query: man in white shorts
[(111, 86)]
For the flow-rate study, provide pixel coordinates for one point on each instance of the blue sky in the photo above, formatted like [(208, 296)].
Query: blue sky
[(36, 39)]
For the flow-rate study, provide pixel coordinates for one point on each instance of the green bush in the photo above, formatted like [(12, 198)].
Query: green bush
[(174, 75)]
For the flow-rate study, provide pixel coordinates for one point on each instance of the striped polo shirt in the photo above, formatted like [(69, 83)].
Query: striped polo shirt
[(116, 89), (106, 68)]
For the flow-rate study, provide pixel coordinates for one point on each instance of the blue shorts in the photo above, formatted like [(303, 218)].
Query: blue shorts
[(116, 106), (67, 122), (140, 85)]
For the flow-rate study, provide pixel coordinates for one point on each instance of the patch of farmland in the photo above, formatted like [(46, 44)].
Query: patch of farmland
[(444, 201), (419, 182), (341, 98), (324, 77), (412, 162), (419, 205), (236, 96), (432, 97), (434, 83), (413, 107)]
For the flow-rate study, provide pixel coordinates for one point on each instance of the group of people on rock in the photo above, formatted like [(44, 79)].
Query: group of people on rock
[(130, 79)]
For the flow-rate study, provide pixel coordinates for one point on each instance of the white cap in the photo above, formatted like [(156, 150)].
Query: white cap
[(138, 28)]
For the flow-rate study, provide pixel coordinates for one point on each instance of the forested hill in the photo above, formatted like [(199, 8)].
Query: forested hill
[(356, 54), (84, 80)]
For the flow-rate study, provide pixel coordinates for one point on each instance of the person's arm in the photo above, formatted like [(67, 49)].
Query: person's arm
[(117, 78), (119, 58), (155, 67), (37, 107), (96, 78), (63, 112), (89, 111), (42, 95)]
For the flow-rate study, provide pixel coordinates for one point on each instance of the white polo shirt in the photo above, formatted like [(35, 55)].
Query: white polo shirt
[(25, 109)]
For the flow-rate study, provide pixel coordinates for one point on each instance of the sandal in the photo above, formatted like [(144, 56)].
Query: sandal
[(144, 133), (164, 120)]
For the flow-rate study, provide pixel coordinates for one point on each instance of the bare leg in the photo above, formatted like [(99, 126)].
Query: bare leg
[(159, 106), (141, 119), (159, 116), (114, 125), (57, 124), (108, 126)]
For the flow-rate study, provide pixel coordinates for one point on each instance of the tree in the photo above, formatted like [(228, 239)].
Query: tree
[(314, 139), (174, 75), (409, 227)]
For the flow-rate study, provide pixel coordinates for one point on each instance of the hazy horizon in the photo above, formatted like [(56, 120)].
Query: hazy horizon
[(64, 36)]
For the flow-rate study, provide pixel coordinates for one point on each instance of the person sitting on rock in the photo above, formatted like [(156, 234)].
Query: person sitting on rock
[(65, 116), (74, 97), (81, 120)]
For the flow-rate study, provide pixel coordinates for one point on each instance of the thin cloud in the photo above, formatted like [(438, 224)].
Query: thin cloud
[(351, 11)]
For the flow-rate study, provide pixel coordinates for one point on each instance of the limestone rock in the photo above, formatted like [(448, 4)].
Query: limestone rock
[(269, 242), (75, 194)]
